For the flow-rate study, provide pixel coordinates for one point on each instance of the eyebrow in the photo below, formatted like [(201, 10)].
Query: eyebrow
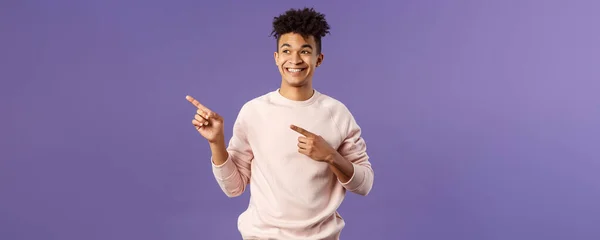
[(303, 46)]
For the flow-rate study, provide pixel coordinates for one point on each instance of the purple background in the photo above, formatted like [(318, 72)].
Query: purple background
[(482, 117)]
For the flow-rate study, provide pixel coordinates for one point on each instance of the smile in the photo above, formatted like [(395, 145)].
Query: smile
[(295, 70)]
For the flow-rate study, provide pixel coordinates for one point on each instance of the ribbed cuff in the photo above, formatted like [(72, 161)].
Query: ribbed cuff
[(225, 170), (356, 180)]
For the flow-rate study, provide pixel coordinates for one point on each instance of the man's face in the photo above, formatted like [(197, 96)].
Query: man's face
[(297, 59)]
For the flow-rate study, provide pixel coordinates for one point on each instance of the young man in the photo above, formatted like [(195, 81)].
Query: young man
[(298, 149)]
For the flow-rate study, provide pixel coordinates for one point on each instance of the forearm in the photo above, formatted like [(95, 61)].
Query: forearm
[(231, 169), (219, 152), (341, 167), (355, 177)]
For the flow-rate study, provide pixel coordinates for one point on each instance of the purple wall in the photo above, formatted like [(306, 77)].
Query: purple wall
[(482, 118)]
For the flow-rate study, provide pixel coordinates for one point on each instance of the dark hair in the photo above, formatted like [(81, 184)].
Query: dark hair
[(306, 22)]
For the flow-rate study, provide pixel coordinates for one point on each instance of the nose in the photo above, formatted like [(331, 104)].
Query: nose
[(295, 59)]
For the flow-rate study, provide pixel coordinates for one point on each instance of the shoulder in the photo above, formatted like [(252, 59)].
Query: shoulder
[(336, 107), (254, 104), (340, 114)]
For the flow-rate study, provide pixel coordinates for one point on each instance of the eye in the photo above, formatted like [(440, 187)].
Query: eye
[(305, 52), (285, 51)]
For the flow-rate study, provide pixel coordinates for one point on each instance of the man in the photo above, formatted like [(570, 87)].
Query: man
[(300, 150)]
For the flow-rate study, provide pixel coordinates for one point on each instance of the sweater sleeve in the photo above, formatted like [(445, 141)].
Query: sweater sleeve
[(234, 174), (354, 149)]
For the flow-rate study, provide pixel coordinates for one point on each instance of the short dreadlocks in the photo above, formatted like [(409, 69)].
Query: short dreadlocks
[(306, 22)]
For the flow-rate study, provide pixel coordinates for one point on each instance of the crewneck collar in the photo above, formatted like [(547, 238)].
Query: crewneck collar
[(280, 99)]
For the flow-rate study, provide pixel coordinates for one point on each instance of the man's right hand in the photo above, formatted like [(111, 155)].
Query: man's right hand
[(208, 123)]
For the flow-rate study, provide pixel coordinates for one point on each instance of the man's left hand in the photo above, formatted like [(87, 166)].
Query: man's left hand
[(313, 145)]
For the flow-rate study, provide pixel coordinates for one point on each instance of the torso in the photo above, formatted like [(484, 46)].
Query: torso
[(301, 193)]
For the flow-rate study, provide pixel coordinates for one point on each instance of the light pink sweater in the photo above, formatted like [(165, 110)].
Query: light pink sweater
[(291, 195)]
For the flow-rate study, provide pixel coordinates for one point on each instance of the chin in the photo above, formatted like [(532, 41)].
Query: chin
[(296, 82)]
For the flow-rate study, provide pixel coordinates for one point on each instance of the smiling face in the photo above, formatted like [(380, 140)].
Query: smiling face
[(297, 59)]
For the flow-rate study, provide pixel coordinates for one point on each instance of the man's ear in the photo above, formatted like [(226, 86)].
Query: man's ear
[(320, 59), (275, 56)]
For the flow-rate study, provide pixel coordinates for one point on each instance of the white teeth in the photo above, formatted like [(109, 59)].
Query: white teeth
[(294, 70)]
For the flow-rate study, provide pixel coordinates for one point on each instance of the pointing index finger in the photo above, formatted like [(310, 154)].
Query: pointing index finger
[(196, 103), (301, 131)]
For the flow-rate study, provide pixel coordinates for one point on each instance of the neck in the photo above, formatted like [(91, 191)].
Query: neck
[(301, 93)]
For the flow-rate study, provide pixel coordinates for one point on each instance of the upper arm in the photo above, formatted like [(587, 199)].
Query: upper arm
[(353, 146), (239, 148), (354, 149)]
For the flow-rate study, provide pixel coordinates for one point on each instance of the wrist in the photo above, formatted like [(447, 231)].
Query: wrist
[(217, 141), (341, 167), (217, 145), (331, 158)]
